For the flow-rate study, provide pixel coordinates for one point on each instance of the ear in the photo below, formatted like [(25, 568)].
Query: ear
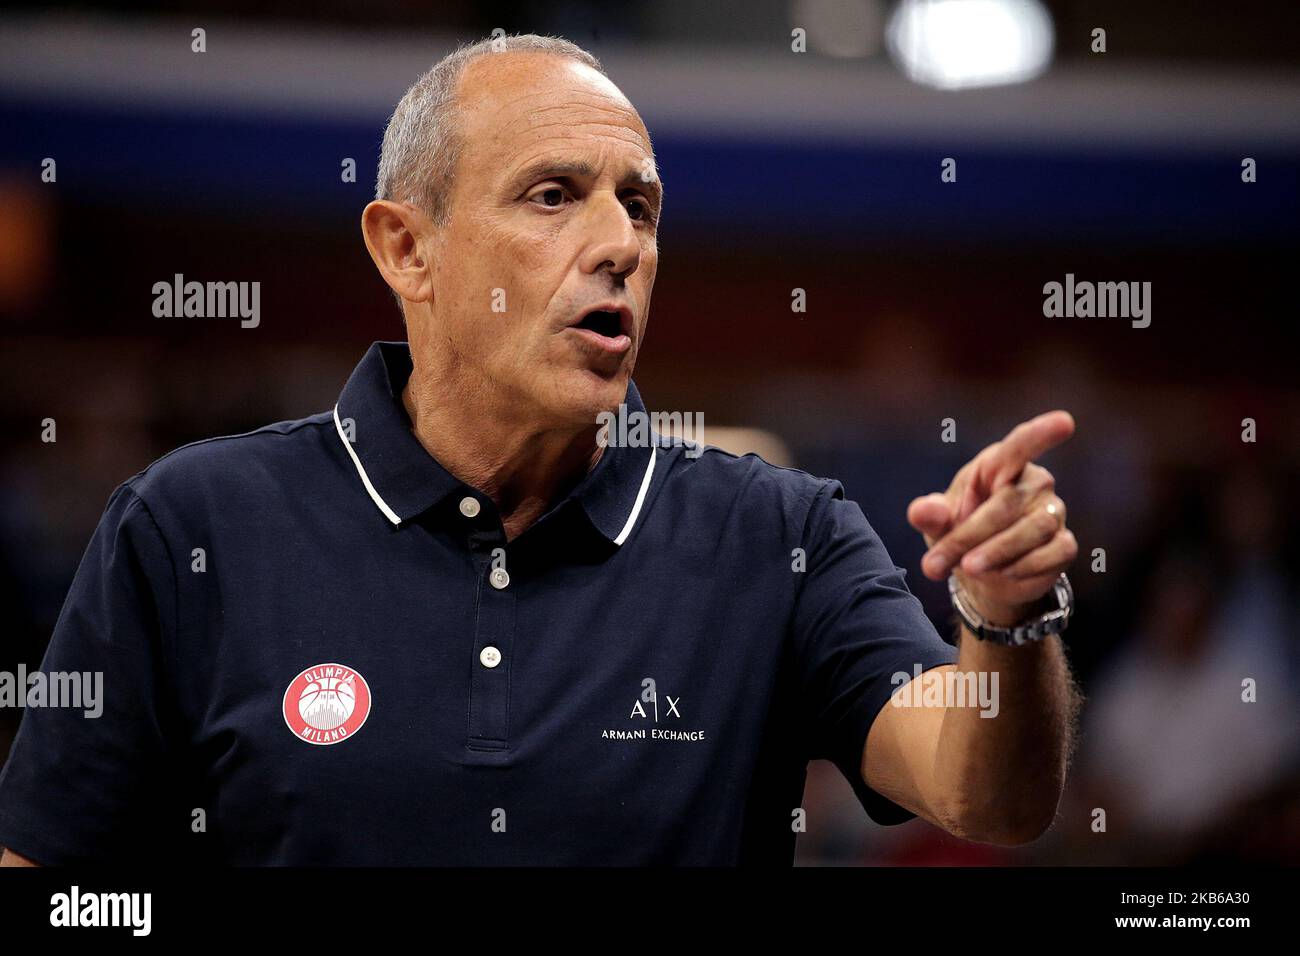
[(396, 235)]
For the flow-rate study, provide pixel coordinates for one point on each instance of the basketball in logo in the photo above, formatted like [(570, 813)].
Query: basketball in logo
[(326, 703)]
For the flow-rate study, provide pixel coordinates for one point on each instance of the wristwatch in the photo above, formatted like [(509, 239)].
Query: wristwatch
[(1053, 621)]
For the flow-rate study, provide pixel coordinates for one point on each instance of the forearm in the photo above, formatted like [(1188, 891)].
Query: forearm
[(995, 773), (1001, 768)]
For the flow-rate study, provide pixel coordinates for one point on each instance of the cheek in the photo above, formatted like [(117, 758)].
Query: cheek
[(528, 265), (649, 267), (485, 279), (644, 279)]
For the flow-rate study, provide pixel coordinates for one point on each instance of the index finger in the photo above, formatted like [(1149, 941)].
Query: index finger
[(1027, 441)]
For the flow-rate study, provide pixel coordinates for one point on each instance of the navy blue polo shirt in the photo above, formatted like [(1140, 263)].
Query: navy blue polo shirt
[(318, 647)]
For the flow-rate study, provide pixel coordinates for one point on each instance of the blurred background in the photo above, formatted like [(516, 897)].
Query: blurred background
[(814, 169)]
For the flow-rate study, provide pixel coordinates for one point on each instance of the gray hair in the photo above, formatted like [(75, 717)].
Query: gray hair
[(421, 142)]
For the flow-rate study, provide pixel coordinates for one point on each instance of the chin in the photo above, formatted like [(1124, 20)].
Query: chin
[(583, 394)]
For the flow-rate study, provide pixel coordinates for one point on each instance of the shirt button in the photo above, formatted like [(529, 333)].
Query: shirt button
[(500, 578), (469, 507), (489, 656)]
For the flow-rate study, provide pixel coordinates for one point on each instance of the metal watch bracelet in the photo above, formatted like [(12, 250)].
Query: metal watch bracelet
[(1027, 632)]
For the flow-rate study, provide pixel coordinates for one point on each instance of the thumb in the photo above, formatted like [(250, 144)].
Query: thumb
[(930, 515)]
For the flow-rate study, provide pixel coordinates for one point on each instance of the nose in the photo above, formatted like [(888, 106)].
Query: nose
[(613, 246)]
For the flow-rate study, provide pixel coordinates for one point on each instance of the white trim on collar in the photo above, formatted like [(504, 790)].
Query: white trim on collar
[(640, 499), (389, 513), (392, 516)]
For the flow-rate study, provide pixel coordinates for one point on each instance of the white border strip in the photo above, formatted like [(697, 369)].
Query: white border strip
[(640, 498), (389, 513)]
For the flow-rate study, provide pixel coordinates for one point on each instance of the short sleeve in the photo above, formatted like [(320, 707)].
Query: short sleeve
[(84, 765), (859, 635)]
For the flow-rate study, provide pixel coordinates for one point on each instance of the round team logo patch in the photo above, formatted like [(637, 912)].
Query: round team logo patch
[(326, 703)]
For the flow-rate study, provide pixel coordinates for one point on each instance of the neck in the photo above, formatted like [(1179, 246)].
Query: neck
[(523, 467)]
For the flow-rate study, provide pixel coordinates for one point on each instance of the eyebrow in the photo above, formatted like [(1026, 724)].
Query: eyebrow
[(552, 169)]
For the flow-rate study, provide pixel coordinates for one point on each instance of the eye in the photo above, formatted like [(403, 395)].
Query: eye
[(552, 197), (639, 209)]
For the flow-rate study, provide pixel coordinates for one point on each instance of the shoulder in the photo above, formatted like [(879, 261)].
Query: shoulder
[(720, 479), (712, 465), (221, 470)]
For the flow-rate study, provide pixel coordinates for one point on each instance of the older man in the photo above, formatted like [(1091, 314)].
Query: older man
[(443, 623)]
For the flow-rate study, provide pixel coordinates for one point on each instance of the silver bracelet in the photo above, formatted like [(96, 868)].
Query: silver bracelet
[(1053, 622)]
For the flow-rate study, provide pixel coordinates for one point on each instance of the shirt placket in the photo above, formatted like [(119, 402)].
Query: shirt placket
[(493, 645)]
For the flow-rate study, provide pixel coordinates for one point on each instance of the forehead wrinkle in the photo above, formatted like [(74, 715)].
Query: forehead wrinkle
[(576, 96), (559, 149), (561, 135), (602, 105), (595, 99), (556, 140), (533, 121)]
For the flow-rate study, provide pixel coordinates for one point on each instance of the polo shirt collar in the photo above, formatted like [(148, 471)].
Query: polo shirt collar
[(403, 480)]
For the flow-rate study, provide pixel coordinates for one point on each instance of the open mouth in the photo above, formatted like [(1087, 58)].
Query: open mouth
[(607, 331), (606, 324)]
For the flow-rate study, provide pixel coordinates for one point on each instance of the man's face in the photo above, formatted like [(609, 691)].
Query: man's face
[(552, 215)]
